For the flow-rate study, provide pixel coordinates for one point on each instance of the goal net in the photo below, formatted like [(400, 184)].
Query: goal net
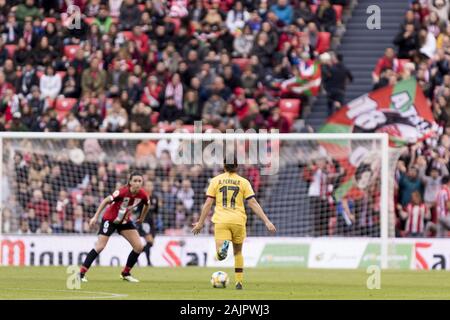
[(310, 185)]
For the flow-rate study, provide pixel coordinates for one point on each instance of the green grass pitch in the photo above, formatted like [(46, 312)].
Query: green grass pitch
[(193, 283)]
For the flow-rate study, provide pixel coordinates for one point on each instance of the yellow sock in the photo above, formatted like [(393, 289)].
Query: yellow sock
[(239, 267)]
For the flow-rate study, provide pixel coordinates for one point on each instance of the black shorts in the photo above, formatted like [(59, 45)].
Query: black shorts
[(107, 228), (146, 228)]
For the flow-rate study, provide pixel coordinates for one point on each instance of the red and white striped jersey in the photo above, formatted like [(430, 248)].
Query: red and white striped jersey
[(415, 222), (442, 198)]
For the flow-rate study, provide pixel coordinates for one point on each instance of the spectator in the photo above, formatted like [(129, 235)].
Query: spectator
[(117, 78), (93, 79), (24, 227), (243, 42), (186, 195), (44, 55), (141, 117), (283, 10), (11, 30), (103, 20), (17, 124), (326, 16), (191, 108), (22, 54), (71, 83), (168, 201), (116, 119), (407, 42), (415, 216), (78, 219), (441, 7), (50, 83), (443, 208), (277, 121), (237, 17), (27, 80), (303, 14), (33, 221), (335, 77), (175, 90), (212, 108), (408, 183), (27, 9), (169, 111), (129, 15), (44, 228), (40, 206), (427, 43), (316, 174)]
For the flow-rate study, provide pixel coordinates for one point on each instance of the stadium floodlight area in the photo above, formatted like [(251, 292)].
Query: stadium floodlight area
[(310, 185)]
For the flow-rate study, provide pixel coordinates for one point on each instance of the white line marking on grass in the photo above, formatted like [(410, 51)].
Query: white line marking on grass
[(106, 295)]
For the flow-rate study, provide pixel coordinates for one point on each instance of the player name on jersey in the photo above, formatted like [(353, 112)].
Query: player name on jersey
[(229, 181)]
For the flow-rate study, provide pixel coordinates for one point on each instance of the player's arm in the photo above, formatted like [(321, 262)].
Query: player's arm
[(254, 205), (144, 212), (205, 210), (100, 209)]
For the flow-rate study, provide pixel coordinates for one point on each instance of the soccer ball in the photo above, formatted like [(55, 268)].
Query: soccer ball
[(219, 279)]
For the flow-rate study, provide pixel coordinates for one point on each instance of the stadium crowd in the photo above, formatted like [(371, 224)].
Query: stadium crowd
[(143, 66)]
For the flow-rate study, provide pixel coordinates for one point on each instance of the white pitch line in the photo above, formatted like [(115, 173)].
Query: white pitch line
[(109, 295)]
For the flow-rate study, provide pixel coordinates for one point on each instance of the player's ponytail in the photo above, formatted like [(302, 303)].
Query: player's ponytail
[(230, 166), (133, 174)]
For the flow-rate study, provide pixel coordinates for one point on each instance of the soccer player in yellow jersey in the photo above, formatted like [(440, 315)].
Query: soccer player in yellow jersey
[(229, 191)]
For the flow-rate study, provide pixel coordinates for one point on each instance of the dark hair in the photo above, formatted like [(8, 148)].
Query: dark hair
[(445, 179), (133, 174), (230, 167)]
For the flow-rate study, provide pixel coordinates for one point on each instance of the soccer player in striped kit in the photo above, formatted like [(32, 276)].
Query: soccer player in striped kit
[(117, 216)]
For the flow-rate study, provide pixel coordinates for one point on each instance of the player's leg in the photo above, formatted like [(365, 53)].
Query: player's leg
[(238, 265), (105, 231), (132, 236), (148, 246), (92, 255), (146, 231), (222, 234), (238, 236)]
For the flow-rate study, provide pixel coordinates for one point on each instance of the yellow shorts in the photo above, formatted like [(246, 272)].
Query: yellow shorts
[(227, 231)]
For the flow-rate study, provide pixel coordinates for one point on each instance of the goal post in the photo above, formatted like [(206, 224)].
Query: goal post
[(282, 167)]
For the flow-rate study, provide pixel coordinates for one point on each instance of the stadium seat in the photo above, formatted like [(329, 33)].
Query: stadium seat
[(50, 102), (64, 106), (154, 117), (128, 35), (50, 20), (290, 106), (89, 20), (338, 9), (11, 48), (290, 117), (177, 24), (323, 42), (242, 62), (70, 50)]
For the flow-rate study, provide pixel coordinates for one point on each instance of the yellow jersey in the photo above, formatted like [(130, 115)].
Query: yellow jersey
[(230, 190)]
